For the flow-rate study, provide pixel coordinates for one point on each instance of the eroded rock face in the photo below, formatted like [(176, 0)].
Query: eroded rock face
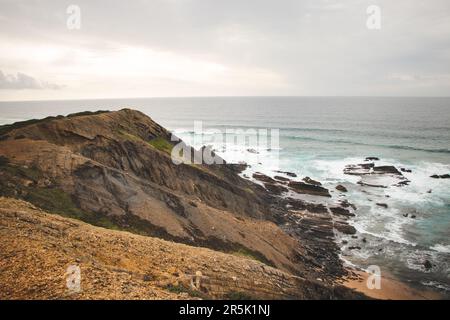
[(114, 169)]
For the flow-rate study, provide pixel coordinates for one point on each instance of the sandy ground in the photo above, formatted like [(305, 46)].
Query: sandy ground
[(390, 289)]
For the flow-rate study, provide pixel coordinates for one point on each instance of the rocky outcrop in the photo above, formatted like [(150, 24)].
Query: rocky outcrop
[(115, 170), (311, 189)]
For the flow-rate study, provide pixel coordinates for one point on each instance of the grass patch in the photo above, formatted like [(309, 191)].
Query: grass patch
[(161, 144), (246, 253), (129, 136), (181, 289)]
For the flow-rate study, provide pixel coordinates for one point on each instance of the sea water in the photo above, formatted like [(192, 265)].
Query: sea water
[(318, 137)]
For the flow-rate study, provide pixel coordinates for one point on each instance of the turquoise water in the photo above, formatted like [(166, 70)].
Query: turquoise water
[(318, 137)]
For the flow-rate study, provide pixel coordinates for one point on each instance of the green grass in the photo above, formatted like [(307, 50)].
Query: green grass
[(244, 252), (180, 289), (161, 144)]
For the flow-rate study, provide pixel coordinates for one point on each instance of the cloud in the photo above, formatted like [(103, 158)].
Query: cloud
[(253, 47), (22, 81)]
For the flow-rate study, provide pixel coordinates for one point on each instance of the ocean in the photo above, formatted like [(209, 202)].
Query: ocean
[(318, 137)]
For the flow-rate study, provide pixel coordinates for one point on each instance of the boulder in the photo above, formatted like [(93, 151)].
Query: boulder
[(345, 228), (304, 188), (386, 170), (384, 205), (371, 159), (263, 178), (311, 181), (341, 188)]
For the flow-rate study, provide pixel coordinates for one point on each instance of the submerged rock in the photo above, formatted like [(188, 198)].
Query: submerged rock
[(290, 174), (442, 176), (311, 181), (384, 205), (359, 169), (371, 159), (341, 188)]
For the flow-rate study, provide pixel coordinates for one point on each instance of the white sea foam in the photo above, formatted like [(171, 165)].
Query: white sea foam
[(441, 248)]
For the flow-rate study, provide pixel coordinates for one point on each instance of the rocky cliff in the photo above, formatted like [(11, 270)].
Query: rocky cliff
[(114, 169)]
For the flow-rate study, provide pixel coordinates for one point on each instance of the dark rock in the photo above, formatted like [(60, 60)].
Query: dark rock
[(372, 159), (290, 174), (297, 204), (280, 178), (386, 170), (275, 188), (384, 205), (345, 228), (359, 169), (405, 170), (346, 204), (311, 181), (405, 215), (341, 188), (364, 240), (402, 183), (429, 191), (252, 151), (263, 178), (413, 216), (305, 188), (427, 264), (442, 176), (354, 248)]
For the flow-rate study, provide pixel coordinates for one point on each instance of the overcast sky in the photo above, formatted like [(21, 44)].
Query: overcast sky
[(223, 48)]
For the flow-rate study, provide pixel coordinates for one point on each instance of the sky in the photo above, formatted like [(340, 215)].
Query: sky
[(172, 48)]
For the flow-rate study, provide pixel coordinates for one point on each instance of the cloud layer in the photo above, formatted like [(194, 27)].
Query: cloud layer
[(22, 81), (204, 48)]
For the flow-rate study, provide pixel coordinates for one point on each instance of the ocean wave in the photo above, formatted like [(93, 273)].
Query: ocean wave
[(441, 248), (343, 141)]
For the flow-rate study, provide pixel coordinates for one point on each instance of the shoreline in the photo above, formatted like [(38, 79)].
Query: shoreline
[(391, 288)]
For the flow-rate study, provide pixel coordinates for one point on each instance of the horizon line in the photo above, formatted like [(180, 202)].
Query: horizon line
[(238, 96)]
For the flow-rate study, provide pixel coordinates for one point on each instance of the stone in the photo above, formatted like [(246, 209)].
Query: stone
[(341, 188), (304, 188), (311, 181), (384, 205)]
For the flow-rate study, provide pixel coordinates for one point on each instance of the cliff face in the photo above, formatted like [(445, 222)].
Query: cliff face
[(114, 169), (37, 248)]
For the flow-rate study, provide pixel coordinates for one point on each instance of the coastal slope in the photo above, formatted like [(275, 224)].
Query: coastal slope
[(36, 248)]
